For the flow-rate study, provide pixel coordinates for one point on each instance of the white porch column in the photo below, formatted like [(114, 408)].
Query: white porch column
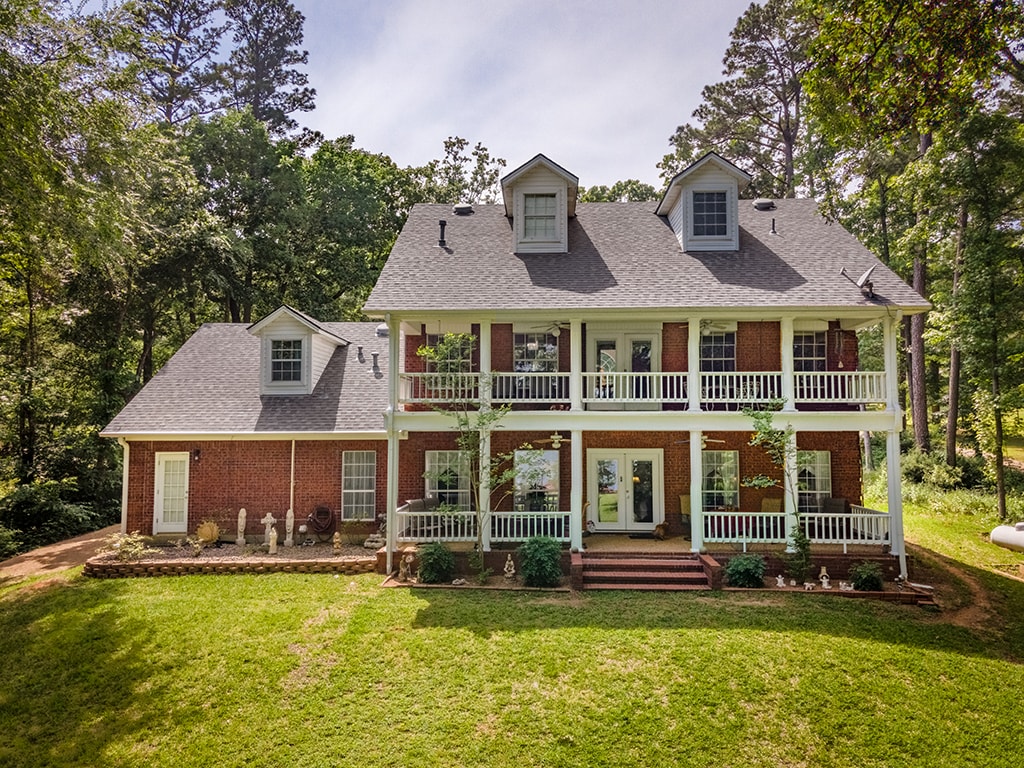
[(576, 521), (789, 491), (693, 366), (788, 384), (696, 491), (889, 351), (125, 464), (391, 497), (892, 460), (576, 366)]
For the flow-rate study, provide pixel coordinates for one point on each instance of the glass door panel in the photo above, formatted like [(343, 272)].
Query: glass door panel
[(624, 490)]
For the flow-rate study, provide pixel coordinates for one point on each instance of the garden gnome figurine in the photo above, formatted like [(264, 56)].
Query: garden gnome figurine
[(405, 567), (337, 543), (240, 541), (510, 568), (289, 527), (780, 580), (824, 578), (273, 540)]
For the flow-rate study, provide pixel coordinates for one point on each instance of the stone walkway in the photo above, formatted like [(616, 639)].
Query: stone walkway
[(56, 557)]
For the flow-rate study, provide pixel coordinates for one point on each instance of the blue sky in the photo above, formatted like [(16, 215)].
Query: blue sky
[(598, 86)]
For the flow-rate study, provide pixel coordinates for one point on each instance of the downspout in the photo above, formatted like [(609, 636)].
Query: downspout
[(291, 483), (125, 459)]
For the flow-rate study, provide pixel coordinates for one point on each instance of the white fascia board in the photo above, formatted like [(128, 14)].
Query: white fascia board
[(163, 437)]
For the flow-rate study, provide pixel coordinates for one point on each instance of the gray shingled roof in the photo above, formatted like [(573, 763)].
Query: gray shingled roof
[(211, 385), (623, 256)]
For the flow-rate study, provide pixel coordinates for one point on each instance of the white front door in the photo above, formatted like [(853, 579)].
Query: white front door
[(170, 493), (624, 489)]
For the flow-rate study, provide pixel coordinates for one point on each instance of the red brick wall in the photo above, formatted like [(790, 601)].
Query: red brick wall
[(255, 475), (501, 347), (674, 343), (841, 346), (758, 346)]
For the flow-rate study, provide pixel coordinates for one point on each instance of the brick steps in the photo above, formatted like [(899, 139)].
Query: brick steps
[(644, 572)]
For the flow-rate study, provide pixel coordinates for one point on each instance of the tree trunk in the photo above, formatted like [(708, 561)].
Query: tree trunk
[(953, 391), (26, 390), (919, 392)]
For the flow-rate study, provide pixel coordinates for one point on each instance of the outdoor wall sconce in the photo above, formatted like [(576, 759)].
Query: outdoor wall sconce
[(196, 453)]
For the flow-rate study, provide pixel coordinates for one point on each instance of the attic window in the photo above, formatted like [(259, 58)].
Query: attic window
[(539, 217), (709, 214), (286, 360)]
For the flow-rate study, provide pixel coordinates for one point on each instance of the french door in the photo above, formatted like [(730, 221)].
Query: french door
[(616, 353), (625, 489), (170, 493)]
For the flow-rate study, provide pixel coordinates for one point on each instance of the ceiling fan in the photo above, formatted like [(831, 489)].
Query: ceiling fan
[(556, 440), (703, 441)]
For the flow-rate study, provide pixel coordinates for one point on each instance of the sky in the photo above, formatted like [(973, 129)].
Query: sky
[(598, 86)]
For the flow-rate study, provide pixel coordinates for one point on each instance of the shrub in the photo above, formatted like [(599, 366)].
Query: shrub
[(866, 576), (437, 563), (541, 562), (745, 571), (43, 516), (127, 547), (9, 546)]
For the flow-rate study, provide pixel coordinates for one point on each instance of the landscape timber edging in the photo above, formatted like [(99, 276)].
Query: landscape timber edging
[(103, 568)]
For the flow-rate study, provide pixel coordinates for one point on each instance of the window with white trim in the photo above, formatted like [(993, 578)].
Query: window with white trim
[(813, 479), (286, 360), (720, 487), (534, 353), (447, 478), (809, 351), (459, 353), (539, 216), (536, 480), (710, 214), (358, 485), (718, 351)]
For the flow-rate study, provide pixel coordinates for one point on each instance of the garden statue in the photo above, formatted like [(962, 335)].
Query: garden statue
[(337, 542), (273, 541), (289, 527), (824, 578), (808, 586), (780, 580), (405, 567), (240, 541), (268, 521), (510, 568)]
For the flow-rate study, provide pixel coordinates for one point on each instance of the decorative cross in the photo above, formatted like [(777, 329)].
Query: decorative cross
[(268, 521)]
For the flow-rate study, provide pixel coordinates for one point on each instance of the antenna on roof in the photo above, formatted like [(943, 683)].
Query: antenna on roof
[(863, 282)]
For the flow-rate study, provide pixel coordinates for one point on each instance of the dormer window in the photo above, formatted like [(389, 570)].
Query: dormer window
[(539, 216), (710, 214), (286, 360)]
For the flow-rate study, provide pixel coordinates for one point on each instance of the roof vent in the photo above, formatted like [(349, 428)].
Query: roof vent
[(764, 204), (463, 209), (440, 240)]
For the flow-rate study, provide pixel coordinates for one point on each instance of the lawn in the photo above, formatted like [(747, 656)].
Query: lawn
[(305, 670)]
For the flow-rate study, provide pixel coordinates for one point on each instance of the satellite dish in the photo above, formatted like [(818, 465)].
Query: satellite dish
[(863, 279)]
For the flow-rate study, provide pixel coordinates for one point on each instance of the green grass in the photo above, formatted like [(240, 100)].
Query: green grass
[(304, 670)]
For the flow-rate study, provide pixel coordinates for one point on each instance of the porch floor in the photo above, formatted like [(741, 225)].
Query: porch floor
[(621, 542)]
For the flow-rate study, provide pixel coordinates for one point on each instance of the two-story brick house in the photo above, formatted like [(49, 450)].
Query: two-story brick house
[(626, 338)]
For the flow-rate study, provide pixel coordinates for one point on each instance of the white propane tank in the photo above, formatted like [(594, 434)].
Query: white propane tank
[(1009, 536)]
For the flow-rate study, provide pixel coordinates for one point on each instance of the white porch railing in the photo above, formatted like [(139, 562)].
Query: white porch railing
[(432, 525), (853, 387), (530, 387), (663, 387), (520, 526), (719, 388), (859, 526), (740, 388)]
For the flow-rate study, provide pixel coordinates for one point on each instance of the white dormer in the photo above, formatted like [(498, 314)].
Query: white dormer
[(540, 198), (702, 204), (294, 350)]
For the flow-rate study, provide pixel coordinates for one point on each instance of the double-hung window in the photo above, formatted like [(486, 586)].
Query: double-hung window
[(535, 353), (447, 478), (358, 485), (721, 480), (809, 351), (710, 214), (718, 351), (814, 479), (539, 211), (286, 360)]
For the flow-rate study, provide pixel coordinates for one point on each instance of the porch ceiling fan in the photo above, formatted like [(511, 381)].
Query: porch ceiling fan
[(703, 441), (556, 440)]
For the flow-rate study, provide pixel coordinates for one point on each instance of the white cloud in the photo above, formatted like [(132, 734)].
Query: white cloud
[(598, 86)]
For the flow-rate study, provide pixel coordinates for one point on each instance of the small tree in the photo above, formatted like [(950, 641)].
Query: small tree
[(778, 444), (492, 477)]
